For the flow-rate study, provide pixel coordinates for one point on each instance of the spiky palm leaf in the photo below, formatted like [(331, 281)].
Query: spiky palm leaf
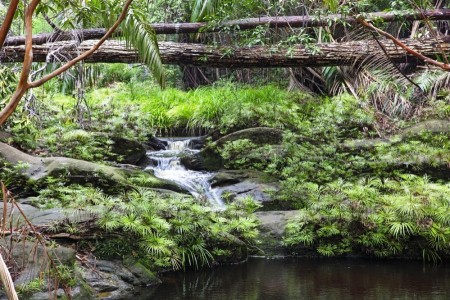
[(142, 37), (202, 9)]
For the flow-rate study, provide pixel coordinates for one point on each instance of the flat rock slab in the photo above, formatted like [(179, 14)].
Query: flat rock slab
[(244, 183), (41, 217), (258, 191)]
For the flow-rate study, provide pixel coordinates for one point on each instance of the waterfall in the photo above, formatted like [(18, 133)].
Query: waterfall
[(166, 165)]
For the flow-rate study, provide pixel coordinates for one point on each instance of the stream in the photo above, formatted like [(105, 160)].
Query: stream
[(166, 165), (300, 278), (289, 278)]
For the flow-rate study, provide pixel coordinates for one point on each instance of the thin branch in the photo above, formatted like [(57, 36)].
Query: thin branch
[(6, 25), (5, 206), (397, 42), (430, 28), (86, 54), (394, 64), (52, 24), (22, 86)]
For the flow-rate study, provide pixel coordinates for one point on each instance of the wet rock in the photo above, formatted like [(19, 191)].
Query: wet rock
[(155, 144), (205, 160), (235, 184), (197, 143), (272, 227), (127, 151), (141, 274), (116, 279), (76, 293)]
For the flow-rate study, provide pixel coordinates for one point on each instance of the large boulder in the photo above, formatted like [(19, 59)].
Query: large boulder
[(31, 257), (209, 158), (204, 160), (116, 279), (155, 144), (429, 126)]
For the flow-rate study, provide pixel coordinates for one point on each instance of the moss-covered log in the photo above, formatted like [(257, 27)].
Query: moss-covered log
[(328, 54)]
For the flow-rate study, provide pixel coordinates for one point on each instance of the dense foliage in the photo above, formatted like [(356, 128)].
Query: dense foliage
[(163, 230)]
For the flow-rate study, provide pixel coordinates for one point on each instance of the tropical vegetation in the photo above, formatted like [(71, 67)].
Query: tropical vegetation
[(363, 159)]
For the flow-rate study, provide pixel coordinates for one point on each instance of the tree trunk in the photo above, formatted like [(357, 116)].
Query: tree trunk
[(243, 24), (247, 57)]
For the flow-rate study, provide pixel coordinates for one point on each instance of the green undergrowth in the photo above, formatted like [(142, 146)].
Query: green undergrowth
[(316, 153), (164, 230), (385, 199), (402, 217), (137, 110)]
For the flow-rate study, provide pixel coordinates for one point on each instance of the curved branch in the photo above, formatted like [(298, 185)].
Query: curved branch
[(85, 54), (8, 20), (22, 86)]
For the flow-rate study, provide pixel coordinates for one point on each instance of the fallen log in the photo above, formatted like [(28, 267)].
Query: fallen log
[(242, 24), (329, 54)]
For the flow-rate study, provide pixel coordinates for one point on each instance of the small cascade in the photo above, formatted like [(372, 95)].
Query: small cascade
[(166, 165), (179, 145)]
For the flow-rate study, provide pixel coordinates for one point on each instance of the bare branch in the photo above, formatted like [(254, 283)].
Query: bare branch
[(22, 86), (413, 52), (4, 29)]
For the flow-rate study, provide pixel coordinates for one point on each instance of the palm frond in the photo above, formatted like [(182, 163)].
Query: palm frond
[(203, 8), (142, 37)]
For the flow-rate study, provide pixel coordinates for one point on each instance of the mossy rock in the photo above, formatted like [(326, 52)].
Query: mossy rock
[(209, 158), (143, 275), (69, 170), (257, 135), (205, 160), (127, 151), (272, 227), (429, 126)]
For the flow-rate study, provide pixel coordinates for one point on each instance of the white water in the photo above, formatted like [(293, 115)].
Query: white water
[(167, 166)]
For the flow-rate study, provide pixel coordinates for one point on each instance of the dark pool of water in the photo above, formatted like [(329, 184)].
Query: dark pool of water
[(307, 279)]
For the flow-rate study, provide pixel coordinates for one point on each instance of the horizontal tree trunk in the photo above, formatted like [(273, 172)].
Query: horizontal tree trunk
[(243, 24), (330, 54)]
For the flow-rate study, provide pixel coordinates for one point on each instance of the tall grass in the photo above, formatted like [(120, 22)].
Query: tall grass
[(223, 107)]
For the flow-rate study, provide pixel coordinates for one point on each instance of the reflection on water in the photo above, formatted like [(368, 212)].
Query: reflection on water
[(307, 279)]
